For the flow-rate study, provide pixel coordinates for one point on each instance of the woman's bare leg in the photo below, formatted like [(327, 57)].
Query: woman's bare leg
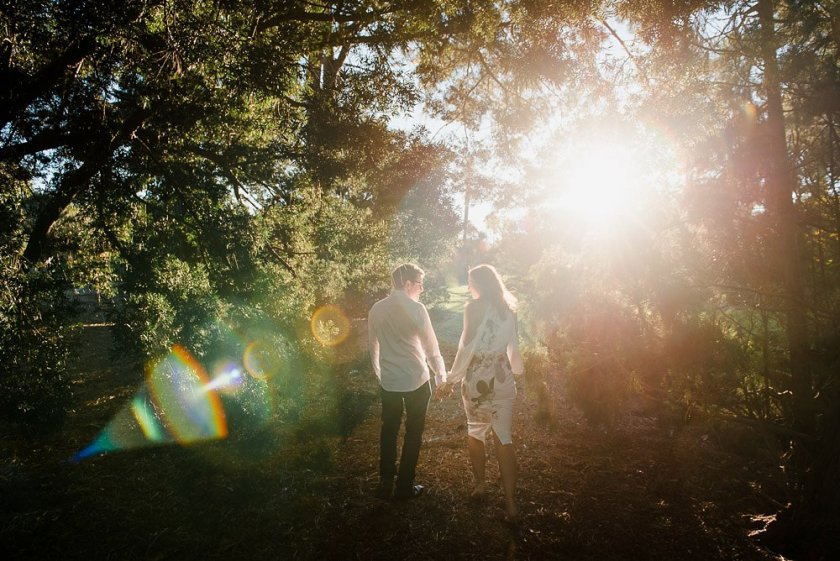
[(507, 468), (477, 460)]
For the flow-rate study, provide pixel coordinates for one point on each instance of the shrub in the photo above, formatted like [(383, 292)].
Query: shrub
[(541, 374), (34, 343)]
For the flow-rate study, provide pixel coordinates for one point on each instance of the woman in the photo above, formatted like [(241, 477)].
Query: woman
[(488, 357)]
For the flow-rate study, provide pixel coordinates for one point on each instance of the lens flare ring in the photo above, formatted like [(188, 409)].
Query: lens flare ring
[(259, 360), (330, 325)]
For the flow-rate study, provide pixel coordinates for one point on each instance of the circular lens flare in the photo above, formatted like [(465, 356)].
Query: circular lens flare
[(330, 325), (259, 360)]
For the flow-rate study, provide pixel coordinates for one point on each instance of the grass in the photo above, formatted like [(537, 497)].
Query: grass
[(448, 318)]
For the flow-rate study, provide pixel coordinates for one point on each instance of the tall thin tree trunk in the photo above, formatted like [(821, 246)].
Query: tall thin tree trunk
[(805, 528), (834, 146), (780, 188)]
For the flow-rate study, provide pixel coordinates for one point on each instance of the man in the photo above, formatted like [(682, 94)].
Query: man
[(402, 348)]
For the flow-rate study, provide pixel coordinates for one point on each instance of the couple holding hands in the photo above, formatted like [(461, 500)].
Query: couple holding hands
[(403, 348)]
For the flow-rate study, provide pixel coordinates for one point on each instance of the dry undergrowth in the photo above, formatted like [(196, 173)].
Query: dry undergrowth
[(638, 491)]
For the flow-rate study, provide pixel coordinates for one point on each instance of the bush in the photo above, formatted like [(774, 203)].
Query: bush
[(34, 389), (34, 386), (599, 388), (541, 374)]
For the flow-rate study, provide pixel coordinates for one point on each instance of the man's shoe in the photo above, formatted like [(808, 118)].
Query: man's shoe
[(410, 493)]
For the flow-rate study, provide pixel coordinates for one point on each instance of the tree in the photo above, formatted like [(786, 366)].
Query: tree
[(224, 155), (767, 71)]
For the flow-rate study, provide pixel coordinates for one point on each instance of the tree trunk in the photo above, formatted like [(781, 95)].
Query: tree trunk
[(71, 185), (74, 182), (802, 528), (780, 187)]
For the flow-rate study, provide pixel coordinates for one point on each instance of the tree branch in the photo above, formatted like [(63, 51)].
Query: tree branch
[(73, 182), (626, 49), (27, 91), (46, 140), (300, 16)]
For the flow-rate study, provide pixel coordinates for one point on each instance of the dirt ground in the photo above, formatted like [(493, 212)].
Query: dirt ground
[(642, 490)]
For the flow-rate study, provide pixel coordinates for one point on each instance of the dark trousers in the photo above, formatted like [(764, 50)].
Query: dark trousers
[(415, 404)]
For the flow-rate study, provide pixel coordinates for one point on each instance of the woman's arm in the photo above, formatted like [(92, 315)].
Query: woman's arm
[(464, 355), (471, 312), (514, 356)]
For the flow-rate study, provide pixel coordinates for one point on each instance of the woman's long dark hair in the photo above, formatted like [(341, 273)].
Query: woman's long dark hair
[(487, 282)]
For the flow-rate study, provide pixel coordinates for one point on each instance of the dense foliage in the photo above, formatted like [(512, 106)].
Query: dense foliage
[(718, 297), (205, 166), (218, 167)]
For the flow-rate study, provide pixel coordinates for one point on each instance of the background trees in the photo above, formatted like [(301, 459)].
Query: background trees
[(230, 166), (722, 300), (205, 163), (762, 63)]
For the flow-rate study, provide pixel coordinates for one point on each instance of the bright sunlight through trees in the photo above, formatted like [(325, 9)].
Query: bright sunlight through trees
[(602, 179), (599, 183)]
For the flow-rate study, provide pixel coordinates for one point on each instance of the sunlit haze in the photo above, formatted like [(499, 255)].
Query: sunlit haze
[(603, 179), (598, 184)]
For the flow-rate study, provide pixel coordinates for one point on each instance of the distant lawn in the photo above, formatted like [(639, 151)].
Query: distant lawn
[(458, 296), (447, 317)]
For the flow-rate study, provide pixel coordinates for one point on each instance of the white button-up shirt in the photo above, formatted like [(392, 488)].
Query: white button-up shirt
[(403, 344)]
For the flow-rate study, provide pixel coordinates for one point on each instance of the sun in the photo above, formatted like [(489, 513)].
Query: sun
[(598, 183), (603, 180)]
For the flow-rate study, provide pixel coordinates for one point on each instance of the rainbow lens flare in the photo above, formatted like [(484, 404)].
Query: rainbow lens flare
[(330, 325), (178, 404), (228, 377), (191, 409)]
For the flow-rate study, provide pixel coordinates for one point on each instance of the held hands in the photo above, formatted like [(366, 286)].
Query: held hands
[(444, 390)]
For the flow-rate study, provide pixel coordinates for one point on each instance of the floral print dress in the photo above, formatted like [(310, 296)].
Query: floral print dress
[(486, 367)]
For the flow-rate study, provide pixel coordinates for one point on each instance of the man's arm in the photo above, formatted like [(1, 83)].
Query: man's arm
[(429, 342), (373, 346)]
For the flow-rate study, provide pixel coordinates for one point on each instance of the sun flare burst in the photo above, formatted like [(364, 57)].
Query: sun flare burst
[(602, 180), (601, 183)]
